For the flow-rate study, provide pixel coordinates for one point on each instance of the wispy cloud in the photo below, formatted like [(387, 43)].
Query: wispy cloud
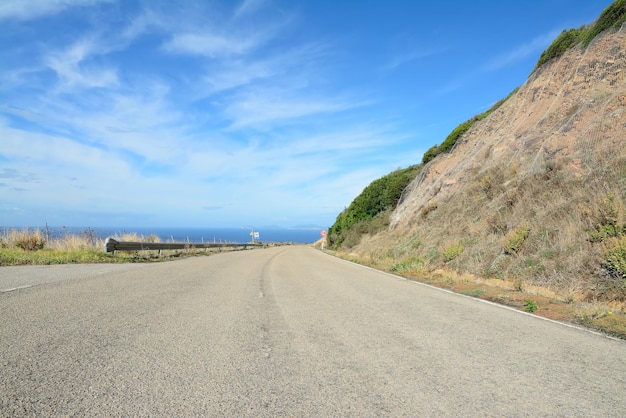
[(248, 7), (262, 106), (222, 38), (537, 45), (73, 69), (25, 10), (243, 71), (407, 57), (114, 116), (210, 44)]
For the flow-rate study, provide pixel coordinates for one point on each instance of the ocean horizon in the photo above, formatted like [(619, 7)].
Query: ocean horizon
[(187, 234)]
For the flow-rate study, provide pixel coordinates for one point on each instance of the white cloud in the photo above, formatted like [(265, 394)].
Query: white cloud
[(407, 57), (537, 45), (210, 44), (75, 68), (259, 107), (287, 65), (253, 120), (30, 9), (248, 7)]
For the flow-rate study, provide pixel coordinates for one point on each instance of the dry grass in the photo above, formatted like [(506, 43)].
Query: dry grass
[(535, 195), (24, 239), (35, 239), (30, 246), (607, 317), (134, 237), (75, 242)]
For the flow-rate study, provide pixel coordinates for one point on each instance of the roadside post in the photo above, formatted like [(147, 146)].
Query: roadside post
[(323, 233)]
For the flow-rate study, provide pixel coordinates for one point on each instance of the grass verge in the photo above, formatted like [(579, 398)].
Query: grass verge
[(30, 247), (606, 317)]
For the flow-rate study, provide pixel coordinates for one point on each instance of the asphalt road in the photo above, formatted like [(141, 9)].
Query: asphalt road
[(285, 331)]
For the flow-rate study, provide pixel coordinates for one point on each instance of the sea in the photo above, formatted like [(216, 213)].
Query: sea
[(192, 235)]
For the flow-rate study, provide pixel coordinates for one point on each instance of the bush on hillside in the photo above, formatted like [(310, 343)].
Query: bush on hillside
[(612, 17), (370, 210), (566, 40), (460, 130)]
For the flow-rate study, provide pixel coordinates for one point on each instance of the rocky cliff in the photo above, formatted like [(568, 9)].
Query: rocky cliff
[(536, 191)]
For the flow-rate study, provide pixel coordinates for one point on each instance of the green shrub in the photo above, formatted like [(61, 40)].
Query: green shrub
[(530, 306), (513, 241), (451, 252), (566, 40), (457, 132), (612, 17), (607, 224), (615, 258), (406, 266), (369, 212), (431, 154)]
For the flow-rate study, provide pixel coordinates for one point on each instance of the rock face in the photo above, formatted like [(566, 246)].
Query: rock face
[(572, 109), (522, 193)]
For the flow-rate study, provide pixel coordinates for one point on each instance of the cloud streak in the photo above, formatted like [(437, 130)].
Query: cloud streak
[(534, 47), (205, 109), (26, 10)]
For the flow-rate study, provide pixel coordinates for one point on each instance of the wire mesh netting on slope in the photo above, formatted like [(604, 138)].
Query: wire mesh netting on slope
[(551, 160)]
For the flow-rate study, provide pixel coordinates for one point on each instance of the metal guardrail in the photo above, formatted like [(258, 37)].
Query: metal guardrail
[(111, 245)]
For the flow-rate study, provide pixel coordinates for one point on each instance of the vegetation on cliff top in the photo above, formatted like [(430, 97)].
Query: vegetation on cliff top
[(613, 16), (369, 212), (458, 132), (555, 226)]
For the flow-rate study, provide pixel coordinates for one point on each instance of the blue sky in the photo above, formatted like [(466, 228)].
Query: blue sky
[(254, 112)]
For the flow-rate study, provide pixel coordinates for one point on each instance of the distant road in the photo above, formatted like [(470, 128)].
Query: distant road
[(284, 331)]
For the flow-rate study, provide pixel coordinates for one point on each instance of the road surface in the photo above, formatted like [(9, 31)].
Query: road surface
[(284, 331)]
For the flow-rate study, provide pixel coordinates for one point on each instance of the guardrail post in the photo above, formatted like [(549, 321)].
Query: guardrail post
[(110, 245)]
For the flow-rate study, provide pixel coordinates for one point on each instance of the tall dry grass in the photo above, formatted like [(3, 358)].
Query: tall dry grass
[(24, 239), (551, 228), (29, 239)]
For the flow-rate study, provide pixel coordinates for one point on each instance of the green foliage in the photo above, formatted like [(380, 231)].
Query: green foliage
[(615, 259), (566, 40), (612, 17), (451, 252), (458, 132), (513, 241), (16, 257), (604, 231), (608, 221), (370, 210), (431, 154), (530, 306), (406, 266)]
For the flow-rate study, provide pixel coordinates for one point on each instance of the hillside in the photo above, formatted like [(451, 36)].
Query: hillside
[(532, 193)]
